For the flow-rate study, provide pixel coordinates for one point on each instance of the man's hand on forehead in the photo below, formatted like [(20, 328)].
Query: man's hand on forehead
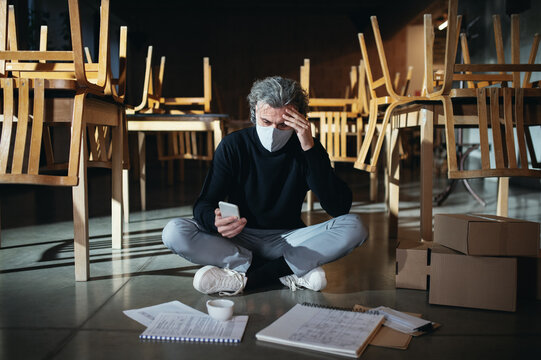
[(301, 125)]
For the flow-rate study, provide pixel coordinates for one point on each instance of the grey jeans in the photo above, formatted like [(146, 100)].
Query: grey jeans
[(303, 249)]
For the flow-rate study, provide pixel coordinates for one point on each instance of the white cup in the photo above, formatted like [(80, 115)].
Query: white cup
[(220, 309)]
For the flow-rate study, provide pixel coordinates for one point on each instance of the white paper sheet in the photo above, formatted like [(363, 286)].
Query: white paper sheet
[(401, 321), (146, 315)]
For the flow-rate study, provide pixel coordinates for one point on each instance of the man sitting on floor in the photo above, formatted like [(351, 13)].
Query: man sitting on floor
[(266, 171)]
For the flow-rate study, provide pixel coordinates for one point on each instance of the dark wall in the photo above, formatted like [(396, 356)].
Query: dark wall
[(245, 40)]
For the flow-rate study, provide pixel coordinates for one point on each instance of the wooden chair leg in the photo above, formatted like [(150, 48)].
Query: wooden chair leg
[(309, 200), (126, 194), (502, 208), (382, 135), (80, 207), (368, 136), (116, 168), (373, 186), (374, 180), (427, 158), (386, 166), (394, 183), (125, 169), (218, 133), (142, 169)]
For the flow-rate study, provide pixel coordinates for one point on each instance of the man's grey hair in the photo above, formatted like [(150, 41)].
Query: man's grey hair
[(277, 92)]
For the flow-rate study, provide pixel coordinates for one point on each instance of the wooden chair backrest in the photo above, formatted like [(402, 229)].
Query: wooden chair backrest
[(193, 105), (24, 116), (504, 149), (352, 102), (334, 132), (372, 84), (152, 100), (405, 87), (386, 79), (391, 85), (358, 90), (150, 103), (305, 76), (451, 43), (363, 91), (531, 60), (117, 87), (156, 86), (146, 82), (482, 80)]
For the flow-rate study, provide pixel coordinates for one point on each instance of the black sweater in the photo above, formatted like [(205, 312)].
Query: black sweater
[(269, 187)]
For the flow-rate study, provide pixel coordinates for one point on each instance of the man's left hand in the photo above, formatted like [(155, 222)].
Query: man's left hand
[(301, 125)]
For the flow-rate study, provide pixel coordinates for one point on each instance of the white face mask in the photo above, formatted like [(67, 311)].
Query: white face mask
[(271, 138)]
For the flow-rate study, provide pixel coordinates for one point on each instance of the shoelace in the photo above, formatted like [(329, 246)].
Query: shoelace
[(239, 278), (291, 283)]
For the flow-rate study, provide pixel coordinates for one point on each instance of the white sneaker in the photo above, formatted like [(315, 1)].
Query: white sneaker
[(313, 280), (211, 279)]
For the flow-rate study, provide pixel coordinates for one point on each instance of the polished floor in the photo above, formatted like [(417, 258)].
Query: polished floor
[(45, 314)]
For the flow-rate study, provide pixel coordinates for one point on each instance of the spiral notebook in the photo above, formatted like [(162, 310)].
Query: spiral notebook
[(195, 328), (333, 331)]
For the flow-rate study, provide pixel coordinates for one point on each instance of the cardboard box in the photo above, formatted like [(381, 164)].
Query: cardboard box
[(472, 281), (412, 264), (487, 235), (453, 278)]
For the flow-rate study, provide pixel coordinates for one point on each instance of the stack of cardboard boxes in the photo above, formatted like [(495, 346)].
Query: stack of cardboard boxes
[(473, 261)]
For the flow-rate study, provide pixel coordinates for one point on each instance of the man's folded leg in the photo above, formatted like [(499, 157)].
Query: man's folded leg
[(226, 262), (188, 239)]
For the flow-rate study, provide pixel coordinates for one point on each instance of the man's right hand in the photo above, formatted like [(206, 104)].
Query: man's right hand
[(230, 226)]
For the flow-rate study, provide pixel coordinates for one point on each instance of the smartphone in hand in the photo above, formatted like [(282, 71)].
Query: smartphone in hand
[(228, 209)]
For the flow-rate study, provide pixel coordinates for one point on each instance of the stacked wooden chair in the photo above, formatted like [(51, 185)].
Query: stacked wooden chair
[(338, 122), (185, 126), (376, 130), (501, 109), (90, 105), (333, 114), (489, 82)]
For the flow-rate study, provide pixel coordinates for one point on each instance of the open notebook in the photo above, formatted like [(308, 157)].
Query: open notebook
[(332, 331), (195, 328)]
